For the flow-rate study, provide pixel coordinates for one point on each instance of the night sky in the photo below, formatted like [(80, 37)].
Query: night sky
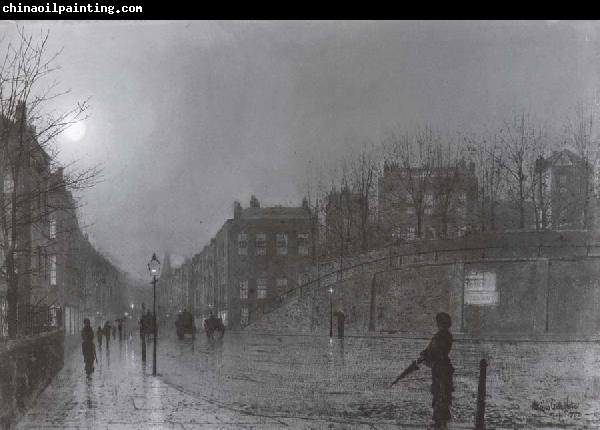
[(187, 117)]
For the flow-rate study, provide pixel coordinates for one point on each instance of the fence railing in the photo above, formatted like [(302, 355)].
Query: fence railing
[(31, 319)]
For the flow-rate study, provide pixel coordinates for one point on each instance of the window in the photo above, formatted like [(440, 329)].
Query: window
[(242, 244), (410, 233), (53, 270), (428, 203), (39, 260), (282, 283), (480, 288), (52, 227), (261, 288), (8, 183), (243, 289), (223, 316), (282, 243), (303, 279), (303, 244), (244, 316), (461, 205), (261, 244)]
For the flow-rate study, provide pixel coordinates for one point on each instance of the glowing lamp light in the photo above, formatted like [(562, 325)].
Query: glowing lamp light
[(154, 266)]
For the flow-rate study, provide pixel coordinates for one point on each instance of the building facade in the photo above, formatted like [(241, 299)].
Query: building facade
[(566, 192), (417, 203), (256, 256)]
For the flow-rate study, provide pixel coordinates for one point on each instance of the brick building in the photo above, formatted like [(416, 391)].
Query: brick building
[(257, 255), (423, 203), (55, 263), (565, 192)]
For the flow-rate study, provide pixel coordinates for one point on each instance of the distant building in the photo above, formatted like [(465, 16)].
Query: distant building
[(56, 266), (257, 255), (566, 194), (444, 197)]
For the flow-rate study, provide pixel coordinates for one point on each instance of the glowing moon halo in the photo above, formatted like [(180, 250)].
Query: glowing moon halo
[(75, 132)]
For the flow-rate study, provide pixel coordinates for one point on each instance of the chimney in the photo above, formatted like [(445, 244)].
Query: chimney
[(237, 210), (254, 203)]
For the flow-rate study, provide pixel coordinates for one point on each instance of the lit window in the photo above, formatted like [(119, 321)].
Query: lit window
[(480, 288), (261, 288), (303, 244), (410, 233), (243, 289), (281, 283), (8, 183), (282, 243), (52, 227), (261, 244), (53, 270), (242, 244), (223, 316), (428, 203), (244, 316)]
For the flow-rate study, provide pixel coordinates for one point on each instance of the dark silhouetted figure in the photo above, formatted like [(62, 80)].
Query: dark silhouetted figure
[(87, 346), (107, 330), (120, 327), (341, 320), (114, 331), (436, 357), (143, 328), (99, 334)]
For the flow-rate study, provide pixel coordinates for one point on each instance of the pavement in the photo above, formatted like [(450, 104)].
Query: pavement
[(269, 382)]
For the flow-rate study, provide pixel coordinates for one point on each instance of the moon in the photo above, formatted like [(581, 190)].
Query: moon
[(75, 132)]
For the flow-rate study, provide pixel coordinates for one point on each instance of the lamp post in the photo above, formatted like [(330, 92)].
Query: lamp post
[(331, 312), (154, 268)]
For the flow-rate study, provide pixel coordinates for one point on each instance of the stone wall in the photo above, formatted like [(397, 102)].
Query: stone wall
[(26, 367), (574, 296), (546, 284)]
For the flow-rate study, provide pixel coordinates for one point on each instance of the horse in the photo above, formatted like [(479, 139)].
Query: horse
[(213, 324)]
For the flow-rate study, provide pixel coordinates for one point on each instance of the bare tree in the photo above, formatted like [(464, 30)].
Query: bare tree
[(450, 171), (487, 155), (411, 158), (522, 143), (28, 128), (364, 172)]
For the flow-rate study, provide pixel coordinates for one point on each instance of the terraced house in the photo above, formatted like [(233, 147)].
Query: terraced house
[(259, 254)]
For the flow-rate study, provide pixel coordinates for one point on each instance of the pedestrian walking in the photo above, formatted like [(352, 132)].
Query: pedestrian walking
[(142, 325), (436, 357), (99, 333), (107, 330), (87, 346), (341, 319), (120, 327)]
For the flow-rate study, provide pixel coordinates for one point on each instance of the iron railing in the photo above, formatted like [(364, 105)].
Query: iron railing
[(31, 319)]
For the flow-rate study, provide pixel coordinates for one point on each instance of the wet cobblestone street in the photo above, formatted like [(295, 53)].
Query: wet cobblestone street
[(265, 381)]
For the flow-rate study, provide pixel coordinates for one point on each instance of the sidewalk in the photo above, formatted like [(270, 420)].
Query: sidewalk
[(122, 394)]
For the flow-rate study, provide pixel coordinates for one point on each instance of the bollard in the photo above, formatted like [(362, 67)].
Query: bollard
[(480, 415), (143, 348)]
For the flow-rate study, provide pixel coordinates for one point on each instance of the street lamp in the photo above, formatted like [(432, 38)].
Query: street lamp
[(154, 268), (330, 311)]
